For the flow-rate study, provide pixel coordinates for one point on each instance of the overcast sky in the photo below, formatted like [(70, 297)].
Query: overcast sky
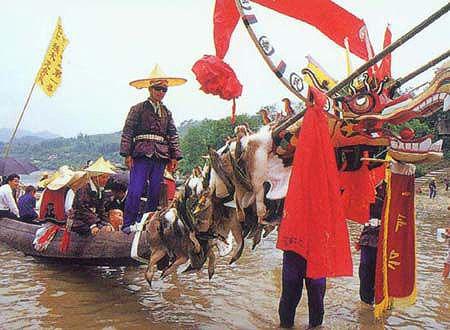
[(112, 42)]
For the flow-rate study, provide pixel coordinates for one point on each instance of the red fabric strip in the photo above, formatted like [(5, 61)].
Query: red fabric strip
[(329, 18), (313, 225)]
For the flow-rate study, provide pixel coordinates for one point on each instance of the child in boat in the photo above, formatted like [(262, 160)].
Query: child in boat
[(27, 205), (115, 219)]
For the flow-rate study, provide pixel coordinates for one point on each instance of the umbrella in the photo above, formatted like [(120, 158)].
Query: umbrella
[(11, 165)]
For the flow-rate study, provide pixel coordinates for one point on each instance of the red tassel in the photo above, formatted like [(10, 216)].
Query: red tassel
[(233, 112), (65, 241)]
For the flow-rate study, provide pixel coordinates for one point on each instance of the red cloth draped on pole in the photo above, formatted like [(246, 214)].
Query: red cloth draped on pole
[(358, 193), (329, 18), (395, 275), (226, 17), (313, 224)]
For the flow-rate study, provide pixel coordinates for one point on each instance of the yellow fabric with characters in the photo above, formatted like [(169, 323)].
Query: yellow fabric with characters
[(49, 75)]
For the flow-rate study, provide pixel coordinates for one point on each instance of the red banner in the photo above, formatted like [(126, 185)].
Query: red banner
[(329, 18), (395, 280), (385, 67)]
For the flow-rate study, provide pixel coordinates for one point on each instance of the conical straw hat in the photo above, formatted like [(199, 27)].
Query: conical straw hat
[(99, 167), (157, 76), (65, 178)]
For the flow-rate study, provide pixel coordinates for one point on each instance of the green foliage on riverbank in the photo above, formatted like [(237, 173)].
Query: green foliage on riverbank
[(195, 137)]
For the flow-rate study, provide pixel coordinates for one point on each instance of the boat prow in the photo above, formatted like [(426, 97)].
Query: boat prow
[(104, 249)]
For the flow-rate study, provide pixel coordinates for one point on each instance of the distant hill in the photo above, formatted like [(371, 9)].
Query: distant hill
[(53, 153), (49, 151), (5, 135)]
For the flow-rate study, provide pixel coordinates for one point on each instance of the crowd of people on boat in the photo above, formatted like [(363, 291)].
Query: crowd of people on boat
[(85, 202)]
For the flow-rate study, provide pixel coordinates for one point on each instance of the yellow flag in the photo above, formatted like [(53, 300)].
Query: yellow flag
[(49, 75), (323, 79), (347, 56)]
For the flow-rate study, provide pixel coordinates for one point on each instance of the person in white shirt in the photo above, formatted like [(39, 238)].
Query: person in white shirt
[(8, 206)]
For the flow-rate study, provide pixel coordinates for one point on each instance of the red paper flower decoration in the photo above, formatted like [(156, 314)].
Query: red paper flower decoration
[(217, 78)]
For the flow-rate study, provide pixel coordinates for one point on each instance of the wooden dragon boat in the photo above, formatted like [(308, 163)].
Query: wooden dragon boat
[(104, 249)]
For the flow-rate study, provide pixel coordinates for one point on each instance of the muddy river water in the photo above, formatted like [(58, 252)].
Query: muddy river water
[(241, 296)]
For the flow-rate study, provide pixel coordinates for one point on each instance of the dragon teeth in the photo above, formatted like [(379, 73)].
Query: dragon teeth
[(425, 145), (437, 146), (394, 144)]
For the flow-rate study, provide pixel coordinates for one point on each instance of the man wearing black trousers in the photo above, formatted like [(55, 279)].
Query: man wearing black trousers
[(368, 242), (294, 272)]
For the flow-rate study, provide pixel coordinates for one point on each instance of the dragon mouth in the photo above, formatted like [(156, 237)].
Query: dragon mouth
[(423, 145), (418, 151)]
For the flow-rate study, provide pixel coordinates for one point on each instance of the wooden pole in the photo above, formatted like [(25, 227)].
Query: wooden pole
[(390, 49), (415, 73), (288, 123), (18, 122)]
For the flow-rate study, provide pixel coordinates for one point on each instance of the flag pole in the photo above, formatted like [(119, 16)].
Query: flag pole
[(423, 68), (389, 49), (18, 122)]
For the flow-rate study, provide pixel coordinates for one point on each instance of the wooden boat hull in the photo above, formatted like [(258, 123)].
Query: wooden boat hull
[(104, 249)]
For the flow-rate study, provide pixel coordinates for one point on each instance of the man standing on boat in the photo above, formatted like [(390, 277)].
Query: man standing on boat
[(8, 206), (149, 144)]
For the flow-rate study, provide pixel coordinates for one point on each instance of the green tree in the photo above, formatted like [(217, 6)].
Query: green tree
[(197, 139)]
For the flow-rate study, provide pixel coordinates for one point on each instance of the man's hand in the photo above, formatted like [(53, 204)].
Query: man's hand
[(94, 231), (129, 162)]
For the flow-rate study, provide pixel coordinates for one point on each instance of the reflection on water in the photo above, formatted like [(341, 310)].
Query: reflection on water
[(241, 296)]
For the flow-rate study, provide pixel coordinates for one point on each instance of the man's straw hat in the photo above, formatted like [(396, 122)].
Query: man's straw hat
[(157, 77), (99, 167), (65, 177)]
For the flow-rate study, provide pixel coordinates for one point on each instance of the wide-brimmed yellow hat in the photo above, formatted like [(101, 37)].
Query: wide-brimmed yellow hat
[(157, 77), (99, 167), (65, 177)]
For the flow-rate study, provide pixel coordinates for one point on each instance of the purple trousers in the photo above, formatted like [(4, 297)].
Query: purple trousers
[(294, 272), (144, 170), (367, 267)]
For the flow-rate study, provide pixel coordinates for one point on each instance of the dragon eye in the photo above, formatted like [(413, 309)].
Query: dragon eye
[(361, 100)]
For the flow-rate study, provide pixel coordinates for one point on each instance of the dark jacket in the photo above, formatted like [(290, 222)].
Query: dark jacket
[(142, 119), (88, 209)]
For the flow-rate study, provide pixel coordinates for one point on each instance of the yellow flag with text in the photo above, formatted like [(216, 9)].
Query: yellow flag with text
[(319, 77), (49, 75)]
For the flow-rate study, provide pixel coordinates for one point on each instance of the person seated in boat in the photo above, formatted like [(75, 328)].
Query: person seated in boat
[(89, 213), (27, 205), (43, 181), (115, 221), (8, 206), (53, 199), (119, 195)]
